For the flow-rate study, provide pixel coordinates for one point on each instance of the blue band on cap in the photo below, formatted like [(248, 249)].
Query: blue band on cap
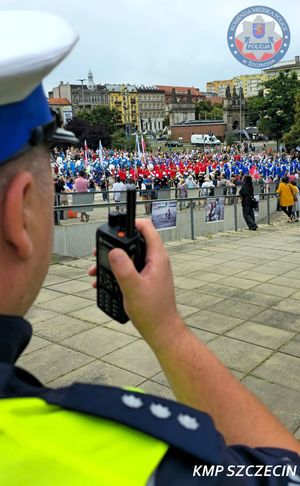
[(17, 120)]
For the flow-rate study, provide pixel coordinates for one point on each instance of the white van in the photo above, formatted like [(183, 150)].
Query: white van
[(204, 139)]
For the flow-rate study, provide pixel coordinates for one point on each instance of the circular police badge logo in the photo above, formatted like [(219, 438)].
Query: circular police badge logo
[(258, 37)]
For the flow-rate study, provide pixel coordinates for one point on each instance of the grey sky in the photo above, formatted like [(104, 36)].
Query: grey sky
[(179, 42)]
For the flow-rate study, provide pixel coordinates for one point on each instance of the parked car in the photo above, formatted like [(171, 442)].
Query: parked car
[(261, 138), (173, 143)]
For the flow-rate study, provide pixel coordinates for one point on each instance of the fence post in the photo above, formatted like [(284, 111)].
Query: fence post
[(268, 208), (57, 211), (192, 219), (235, 212)]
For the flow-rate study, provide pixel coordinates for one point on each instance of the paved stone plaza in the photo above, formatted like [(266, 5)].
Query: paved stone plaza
[(239, 292)]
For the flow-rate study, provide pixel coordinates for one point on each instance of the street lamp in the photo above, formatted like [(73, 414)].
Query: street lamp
[(126, 104), (82, 92), (240, 115)]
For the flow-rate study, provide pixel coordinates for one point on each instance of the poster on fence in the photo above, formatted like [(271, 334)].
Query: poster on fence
[(164, 214), (214, 209)]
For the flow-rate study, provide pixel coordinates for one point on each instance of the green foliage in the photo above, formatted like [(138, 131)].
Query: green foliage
[(203, 107), (254, 108), (230, 139), (98, 123), (102, 115), (91, 133), (217, 112), (278, 109), (208, 111), (292, 138), (120, 141), (274, 113)]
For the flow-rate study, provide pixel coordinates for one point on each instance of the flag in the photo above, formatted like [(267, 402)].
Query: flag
[(143, 145), (86, 153), (101, 155), (138, 150), (137, 146)]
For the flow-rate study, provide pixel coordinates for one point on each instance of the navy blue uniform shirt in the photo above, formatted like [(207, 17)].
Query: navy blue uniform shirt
[(197, 453)]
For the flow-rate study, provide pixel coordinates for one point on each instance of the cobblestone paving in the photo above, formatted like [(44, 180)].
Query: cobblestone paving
[(238, 292)]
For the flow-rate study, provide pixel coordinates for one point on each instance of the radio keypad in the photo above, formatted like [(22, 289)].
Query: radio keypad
[(107, 294)]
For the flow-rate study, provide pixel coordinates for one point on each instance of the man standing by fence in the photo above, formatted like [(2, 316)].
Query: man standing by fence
[(81, 185), (118, 187)]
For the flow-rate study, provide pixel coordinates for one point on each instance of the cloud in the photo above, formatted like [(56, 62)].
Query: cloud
[(152, 41)]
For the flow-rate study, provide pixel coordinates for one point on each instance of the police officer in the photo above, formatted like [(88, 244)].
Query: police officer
[(90, 434)]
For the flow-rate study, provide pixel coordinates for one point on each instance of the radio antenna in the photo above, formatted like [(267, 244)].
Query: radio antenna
[(131, 204)]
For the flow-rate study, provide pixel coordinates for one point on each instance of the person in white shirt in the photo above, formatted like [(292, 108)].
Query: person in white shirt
[(118, 187), (206, 186), (190, 183)]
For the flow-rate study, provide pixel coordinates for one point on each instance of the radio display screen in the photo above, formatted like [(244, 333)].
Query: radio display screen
[(103, 255)]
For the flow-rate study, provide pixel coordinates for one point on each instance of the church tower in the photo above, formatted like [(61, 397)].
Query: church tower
[(234, 110), (180, 109), (90, 82)]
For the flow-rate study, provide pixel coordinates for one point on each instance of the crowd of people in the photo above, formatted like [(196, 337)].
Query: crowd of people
[(226, 161), (229, 167), (223, 162)]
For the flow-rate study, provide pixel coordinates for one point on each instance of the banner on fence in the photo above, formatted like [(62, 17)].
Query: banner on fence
[(164, 214), (214, 209)]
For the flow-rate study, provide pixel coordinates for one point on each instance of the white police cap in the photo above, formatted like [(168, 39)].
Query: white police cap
[(31, 45)]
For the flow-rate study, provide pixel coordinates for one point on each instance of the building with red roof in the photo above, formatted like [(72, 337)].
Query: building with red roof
[(180, 92), (64, 106)]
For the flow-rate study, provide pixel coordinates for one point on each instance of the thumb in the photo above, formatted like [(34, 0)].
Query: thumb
[(124, 270)]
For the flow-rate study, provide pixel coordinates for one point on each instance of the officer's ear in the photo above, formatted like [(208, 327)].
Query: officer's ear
[(18, 214)]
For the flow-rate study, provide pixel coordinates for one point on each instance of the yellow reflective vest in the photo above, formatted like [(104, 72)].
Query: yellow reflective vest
[(46, 445)]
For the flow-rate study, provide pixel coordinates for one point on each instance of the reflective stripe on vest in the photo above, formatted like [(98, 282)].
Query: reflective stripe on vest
[(43, 444)]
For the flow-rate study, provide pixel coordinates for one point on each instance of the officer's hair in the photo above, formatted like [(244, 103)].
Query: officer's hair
[(34, 160)]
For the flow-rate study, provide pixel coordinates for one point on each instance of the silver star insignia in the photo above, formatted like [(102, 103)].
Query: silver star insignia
[(188, 422), (132, 401), (160, 411)]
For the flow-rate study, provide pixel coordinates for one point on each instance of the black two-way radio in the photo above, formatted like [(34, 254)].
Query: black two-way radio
[(119, 232)]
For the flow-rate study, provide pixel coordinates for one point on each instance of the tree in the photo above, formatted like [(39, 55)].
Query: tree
[(254, 108), (230, 139), (90, 132), (292, 138), (94, 134), (102, 115), (203, 107), (217, 112), (77, 126), (209, 111), (279, 105), (120, 141)]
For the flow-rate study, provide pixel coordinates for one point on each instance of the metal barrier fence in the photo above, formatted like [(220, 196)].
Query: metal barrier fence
[(76, 239), (72, 198)]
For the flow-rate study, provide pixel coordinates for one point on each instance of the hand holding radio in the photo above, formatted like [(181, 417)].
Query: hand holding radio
[(119, 232), (149, 297), (134, 278)]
